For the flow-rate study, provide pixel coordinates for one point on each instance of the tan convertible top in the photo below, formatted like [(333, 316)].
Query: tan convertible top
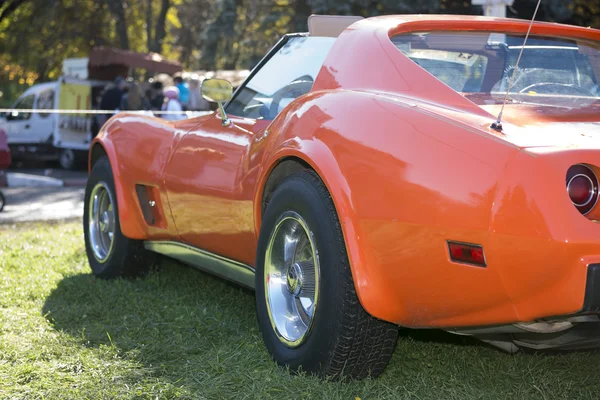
[(329, 25)]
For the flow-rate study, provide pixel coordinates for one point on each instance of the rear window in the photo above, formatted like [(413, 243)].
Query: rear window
[(462, 71), (484, 62)]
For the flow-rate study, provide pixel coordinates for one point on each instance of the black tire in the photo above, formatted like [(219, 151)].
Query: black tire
[(2, 201), (344, 341), (72, 160), (126, 257)]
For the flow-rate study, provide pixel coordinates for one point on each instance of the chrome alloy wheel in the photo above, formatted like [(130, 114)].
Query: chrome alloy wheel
[(291, 279), (101, 227)]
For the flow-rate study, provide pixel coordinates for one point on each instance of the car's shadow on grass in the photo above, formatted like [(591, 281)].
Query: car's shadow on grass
[(200, 332), (175, 305), (175, 301)]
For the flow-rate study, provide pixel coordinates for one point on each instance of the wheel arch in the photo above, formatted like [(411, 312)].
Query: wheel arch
[(131, 224), (289, 160), (96, 152), (281, 169)]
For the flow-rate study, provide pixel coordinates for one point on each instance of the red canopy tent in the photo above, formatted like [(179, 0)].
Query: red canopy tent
[(106, 63)]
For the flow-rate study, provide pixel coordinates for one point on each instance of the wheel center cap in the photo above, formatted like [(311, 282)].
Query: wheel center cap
[(294, 279), (104, 222)]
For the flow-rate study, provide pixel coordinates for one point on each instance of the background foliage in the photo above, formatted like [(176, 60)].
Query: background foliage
[(36, 35)]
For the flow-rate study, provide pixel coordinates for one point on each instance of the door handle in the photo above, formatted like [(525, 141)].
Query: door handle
[(27, 126)]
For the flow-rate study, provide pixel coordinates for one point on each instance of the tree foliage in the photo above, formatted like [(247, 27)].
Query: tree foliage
[(37, 35)]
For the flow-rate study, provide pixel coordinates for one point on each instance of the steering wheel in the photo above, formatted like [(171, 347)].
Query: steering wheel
[(292, 90), (557, 88)]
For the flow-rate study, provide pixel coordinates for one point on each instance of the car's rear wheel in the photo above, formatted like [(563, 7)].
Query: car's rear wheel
[(2, 201), (308, 310), (109, 252)]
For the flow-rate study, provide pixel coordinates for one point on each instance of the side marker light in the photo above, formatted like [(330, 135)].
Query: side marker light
[(464, 253)]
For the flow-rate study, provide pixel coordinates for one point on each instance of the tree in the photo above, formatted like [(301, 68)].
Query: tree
[(47, 27), (8, 7), (117, 9), (160, 30), (203, 34)]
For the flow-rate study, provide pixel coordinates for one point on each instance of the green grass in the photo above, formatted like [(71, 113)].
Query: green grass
[(180, 333)]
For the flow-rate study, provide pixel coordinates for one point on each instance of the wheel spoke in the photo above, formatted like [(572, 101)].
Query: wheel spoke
[(96, 206), (290, 243), (301, 310)]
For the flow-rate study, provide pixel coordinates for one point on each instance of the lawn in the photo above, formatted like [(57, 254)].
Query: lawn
[(180, 333)]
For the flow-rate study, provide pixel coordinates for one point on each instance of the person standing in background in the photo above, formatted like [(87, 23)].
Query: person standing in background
[(111, 99), (155, 95), (133, 99), (184, 91), (172, 104)]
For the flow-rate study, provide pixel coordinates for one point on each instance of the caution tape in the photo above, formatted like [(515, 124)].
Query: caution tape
[(92, 112)]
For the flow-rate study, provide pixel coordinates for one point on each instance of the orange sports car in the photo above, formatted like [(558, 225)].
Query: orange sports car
[(359, 181)]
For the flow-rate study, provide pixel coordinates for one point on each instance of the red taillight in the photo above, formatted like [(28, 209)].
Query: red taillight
[(466, 253), (582, 188)]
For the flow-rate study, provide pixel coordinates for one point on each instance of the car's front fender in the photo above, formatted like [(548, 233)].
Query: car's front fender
[(138, 149)]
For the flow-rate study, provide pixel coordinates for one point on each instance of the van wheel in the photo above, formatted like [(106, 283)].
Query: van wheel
[(72, 159), (308, 310), (109, 252), (66, 159)]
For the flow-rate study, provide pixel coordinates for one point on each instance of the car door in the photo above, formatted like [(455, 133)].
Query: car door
[(19, 123), (211, 177)]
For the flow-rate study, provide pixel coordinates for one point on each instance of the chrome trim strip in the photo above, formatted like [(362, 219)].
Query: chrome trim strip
[(206, 261)]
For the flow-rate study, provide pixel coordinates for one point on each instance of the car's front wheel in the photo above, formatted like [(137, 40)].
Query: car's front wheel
[(308, 310), (109, 252)]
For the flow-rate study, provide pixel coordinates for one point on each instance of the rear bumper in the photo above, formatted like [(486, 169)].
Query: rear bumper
[(591, 302)]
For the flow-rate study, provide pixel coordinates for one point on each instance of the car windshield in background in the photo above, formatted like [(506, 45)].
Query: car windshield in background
[(551, 70)]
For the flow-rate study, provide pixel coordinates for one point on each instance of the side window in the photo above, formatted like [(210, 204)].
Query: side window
[(287, 75), (45, 101), (26, 103)]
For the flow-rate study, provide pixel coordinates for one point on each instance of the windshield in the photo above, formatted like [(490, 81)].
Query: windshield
[(551, 71)]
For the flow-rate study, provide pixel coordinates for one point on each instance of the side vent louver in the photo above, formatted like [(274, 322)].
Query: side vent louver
[(149, 203)]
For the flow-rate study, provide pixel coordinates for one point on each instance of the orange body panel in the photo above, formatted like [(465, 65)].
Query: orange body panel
[(409, 164)]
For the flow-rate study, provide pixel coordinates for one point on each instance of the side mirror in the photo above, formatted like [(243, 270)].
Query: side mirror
[(219, 91)]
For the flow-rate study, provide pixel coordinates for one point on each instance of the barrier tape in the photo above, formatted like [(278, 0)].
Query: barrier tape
[(141, 112)]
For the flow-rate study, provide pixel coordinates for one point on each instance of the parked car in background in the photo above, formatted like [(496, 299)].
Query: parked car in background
[(356, 180), (38, 135)]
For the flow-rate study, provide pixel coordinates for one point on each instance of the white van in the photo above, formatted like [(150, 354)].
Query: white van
[(45, 136)]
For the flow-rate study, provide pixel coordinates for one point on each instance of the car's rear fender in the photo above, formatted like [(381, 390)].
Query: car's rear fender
[(541, 240), (403, 181)]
